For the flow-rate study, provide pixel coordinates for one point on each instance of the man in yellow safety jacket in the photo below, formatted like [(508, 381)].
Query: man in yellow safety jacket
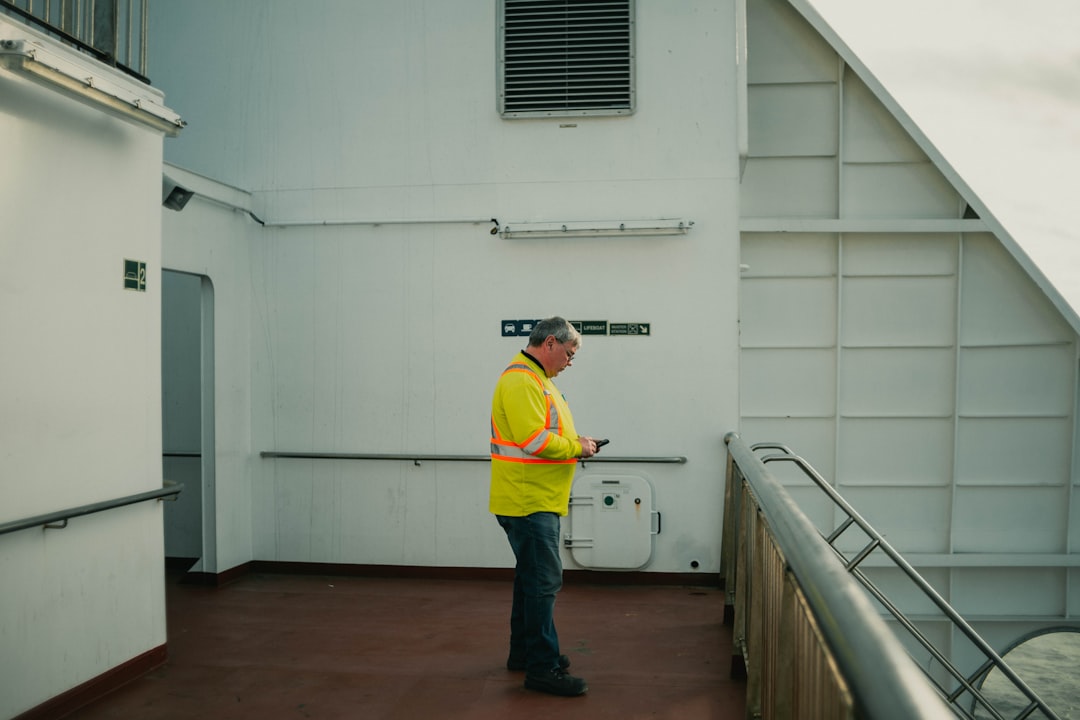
[(534, 449)]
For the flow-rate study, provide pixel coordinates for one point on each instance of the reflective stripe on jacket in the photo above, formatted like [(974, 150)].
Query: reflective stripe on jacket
[(534, 446)]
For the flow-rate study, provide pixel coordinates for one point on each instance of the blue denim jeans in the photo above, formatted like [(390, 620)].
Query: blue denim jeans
[(537, 578)]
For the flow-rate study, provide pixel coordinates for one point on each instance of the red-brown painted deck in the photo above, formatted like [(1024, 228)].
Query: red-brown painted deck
[(318, 646)]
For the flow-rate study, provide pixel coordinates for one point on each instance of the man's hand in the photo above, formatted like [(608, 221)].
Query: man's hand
[(588, 446)]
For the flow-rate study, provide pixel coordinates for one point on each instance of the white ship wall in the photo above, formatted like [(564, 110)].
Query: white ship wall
[(80, 390), (209, 243), (385, 338), (901, 349)]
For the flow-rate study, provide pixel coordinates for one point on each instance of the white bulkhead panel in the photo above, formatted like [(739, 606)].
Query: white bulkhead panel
[(611, 522)]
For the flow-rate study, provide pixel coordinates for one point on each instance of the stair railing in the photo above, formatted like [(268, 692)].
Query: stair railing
[(965, 695), (807, 638)]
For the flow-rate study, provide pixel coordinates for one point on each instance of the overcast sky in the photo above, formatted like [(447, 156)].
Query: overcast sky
[(995, 85)]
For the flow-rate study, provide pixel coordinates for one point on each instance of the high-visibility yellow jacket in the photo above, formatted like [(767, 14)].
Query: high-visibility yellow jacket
[(534, 446)]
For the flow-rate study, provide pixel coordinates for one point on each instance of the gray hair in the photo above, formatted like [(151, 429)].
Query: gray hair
[(563, 331)]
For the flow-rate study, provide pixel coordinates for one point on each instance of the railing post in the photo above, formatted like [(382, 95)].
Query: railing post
[(729, 540), (104, 34), (753, 653), (786, 657), (740, 595)]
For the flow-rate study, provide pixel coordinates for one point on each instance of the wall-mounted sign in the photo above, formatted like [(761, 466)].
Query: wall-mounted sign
[(629, 329), (590, 327), (517, 328), (134, 275), (523, 328)]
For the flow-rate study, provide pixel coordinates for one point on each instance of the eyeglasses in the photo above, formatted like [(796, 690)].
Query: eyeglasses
[(569, 353)]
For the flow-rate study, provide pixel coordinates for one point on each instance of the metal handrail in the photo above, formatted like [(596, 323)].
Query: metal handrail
[(49, 520), (418, 457), (884, 681), (965, 684)]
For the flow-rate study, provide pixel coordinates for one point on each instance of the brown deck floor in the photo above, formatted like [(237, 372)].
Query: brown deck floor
[(309, 646)]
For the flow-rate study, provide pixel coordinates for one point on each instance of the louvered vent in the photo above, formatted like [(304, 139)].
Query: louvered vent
[(567, 57)]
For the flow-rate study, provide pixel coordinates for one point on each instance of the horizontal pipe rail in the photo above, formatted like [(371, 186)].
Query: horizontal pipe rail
[(377, 221), (419, 457), (882, 677), (62, 516)]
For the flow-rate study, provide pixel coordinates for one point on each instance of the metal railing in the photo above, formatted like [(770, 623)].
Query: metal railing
[(962, 691), (113, 31), (59, 519), (809, 639), (417, 458)]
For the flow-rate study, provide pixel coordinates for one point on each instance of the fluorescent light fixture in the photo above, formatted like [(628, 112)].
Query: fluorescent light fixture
[(88, 84), (616, 228)]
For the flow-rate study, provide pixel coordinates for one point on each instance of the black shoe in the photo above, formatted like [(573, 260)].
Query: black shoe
[(518, 665), (557, 682)]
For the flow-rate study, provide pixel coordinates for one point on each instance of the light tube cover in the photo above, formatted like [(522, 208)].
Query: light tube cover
[(615, 228), (88, 85)]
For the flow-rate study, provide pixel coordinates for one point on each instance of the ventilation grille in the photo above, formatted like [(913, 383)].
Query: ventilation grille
[(567, 57)]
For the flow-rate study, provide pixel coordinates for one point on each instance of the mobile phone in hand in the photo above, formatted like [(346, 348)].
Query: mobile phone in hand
[(601, 443)]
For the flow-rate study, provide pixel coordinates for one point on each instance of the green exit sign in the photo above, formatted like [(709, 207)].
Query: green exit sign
[(134, 275)]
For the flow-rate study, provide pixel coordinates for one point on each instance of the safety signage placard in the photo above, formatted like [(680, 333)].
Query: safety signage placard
[(590, 327), (517, 328), (523, 328), (628, 329), (134, 275)]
